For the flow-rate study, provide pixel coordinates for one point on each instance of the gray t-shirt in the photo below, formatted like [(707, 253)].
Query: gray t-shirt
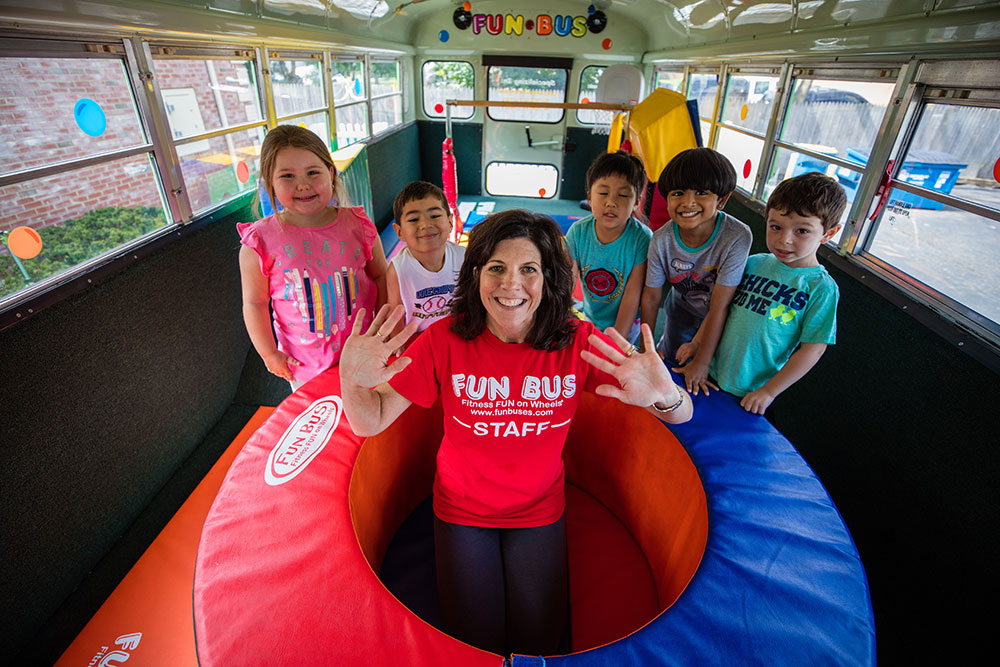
[(692, 273)]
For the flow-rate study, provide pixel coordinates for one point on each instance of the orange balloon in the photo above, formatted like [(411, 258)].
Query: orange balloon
[(466, 5), (24, 242), (541, 192), (743, 112)]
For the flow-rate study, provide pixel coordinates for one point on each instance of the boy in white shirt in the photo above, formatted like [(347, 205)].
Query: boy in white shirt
[(423, 276)]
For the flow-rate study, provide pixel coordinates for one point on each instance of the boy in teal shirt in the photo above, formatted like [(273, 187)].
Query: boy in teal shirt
[(609, 246), (784, 312)]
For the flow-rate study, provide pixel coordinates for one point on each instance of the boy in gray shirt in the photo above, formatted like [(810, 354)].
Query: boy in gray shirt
[(700, 254)]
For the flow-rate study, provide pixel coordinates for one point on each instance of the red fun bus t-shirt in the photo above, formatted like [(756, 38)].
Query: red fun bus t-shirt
[(507, 410)]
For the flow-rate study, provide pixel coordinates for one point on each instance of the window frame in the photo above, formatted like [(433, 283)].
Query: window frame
[(917, 97), (423, 89), (269, 55), (349, 57), (675, 69), (132, 55), (562, 114), (154, 50), (371, 60), (558, 177), (765, 158), (367, 60), (579, 92)]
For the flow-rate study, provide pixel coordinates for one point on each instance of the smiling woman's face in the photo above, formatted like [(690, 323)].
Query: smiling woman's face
[(510, 286)]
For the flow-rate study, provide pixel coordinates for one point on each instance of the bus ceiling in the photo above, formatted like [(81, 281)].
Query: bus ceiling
[(611, 30)]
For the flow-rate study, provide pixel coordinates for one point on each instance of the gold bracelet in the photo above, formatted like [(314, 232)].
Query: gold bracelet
[(679, 403)]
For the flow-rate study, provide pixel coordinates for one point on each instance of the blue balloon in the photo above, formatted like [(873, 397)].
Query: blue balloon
[(357, 86), (444, 36), (90, 117), (591, 9)]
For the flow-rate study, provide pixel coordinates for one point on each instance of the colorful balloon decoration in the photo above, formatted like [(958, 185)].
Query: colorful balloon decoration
[(24, 242), (90, 117)]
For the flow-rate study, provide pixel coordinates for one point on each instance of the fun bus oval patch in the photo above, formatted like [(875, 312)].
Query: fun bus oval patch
[(304, 438)]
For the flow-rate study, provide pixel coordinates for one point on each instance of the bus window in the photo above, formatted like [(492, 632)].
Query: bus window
[(526, 84), (349, 96), (829, 126), (445, 80), (518, 179), (202, 98), (589, 78), (669, 79), (702, 86), (299, 93), (941, 222), (386, 95), (746, 112), (76, 166)]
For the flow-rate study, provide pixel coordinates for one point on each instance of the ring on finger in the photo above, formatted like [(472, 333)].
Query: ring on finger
[(630, 351)]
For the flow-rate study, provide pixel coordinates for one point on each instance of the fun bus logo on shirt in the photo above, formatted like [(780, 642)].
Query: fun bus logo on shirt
[(303, 440)]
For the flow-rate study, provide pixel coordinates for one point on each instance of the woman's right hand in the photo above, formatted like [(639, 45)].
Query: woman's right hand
[(364, 359)]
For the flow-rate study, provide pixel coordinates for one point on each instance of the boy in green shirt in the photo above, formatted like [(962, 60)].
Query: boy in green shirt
[(784, 312)]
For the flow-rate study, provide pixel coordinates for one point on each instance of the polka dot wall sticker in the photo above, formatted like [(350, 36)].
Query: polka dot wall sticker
[(90, 117)]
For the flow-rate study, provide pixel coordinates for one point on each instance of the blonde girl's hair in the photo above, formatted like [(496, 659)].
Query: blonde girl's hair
[(293, 136)]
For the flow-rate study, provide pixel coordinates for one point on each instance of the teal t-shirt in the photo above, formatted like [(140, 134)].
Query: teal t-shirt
[(604, 269), (774, 309)]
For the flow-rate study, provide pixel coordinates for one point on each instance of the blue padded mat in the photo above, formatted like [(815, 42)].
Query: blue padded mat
[(781, 582)]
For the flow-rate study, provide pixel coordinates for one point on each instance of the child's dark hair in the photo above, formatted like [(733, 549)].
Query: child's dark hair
[(698, 169), (621, 164), (812, 194), (417, 190)]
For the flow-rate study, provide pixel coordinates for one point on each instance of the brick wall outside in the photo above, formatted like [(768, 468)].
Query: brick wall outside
[(37, 101)]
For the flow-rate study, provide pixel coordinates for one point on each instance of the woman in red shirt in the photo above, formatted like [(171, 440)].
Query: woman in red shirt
[(509, 365)]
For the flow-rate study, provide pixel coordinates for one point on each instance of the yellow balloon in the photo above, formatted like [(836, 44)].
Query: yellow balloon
[(743, 112)]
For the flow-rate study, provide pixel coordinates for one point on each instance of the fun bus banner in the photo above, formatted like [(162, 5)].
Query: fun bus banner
[(543, 24)]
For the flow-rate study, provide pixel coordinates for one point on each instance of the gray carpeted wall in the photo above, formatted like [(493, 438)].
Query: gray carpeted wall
[(105, 396)]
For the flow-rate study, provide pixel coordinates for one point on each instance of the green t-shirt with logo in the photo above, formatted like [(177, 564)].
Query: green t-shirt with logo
[(774, 309)]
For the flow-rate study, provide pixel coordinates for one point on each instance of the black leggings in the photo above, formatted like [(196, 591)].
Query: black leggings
[(503, 589)]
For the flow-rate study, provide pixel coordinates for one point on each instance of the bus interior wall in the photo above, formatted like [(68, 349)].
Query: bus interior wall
[(118, 397)]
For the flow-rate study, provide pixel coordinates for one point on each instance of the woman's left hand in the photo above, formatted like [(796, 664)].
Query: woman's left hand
[(642, 376), (365, 358)]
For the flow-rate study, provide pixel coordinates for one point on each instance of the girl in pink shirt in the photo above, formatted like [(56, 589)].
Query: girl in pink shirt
[(317, 265)]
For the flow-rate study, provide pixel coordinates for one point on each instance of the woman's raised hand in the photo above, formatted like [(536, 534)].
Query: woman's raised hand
[(642, 377), (364, 359)]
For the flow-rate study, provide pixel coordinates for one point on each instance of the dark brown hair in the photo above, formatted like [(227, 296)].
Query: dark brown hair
[(811, 194), (414, 191), (553, 327)]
